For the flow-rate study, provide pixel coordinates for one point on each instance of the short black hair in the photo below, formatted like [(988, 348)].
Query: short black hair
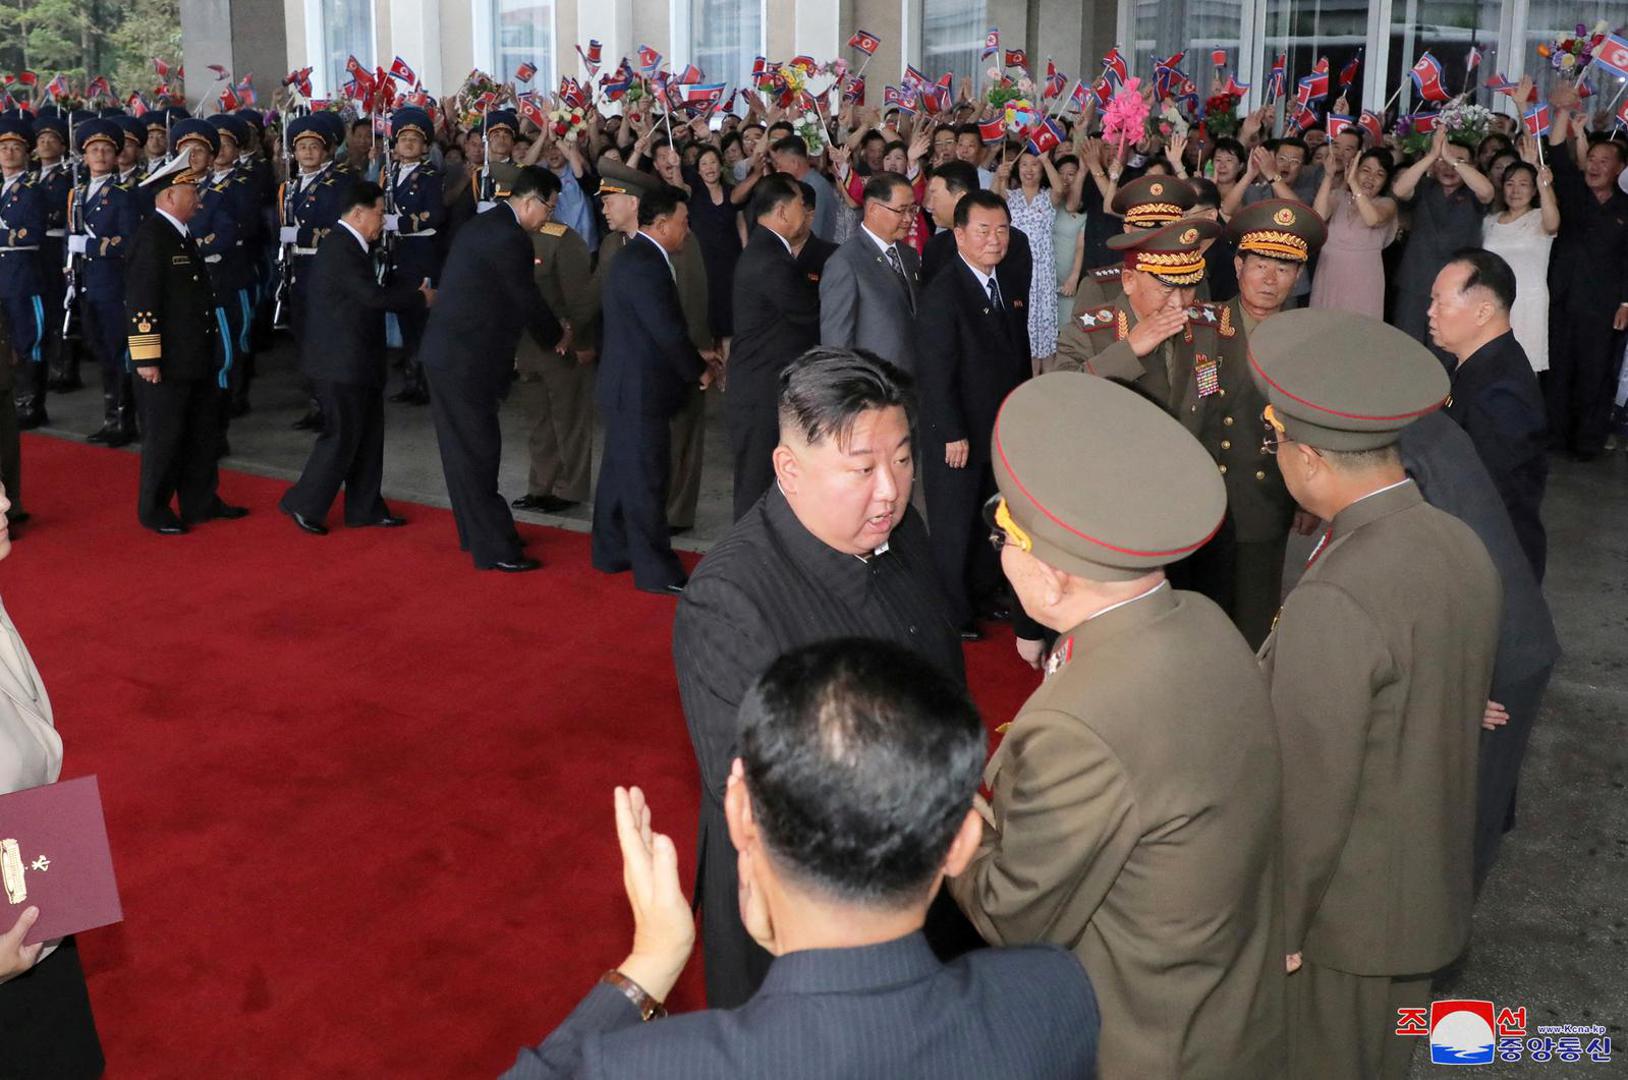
[(773, 192), (1615, 144), (1489, 271), (810, 198), (534, 180), (1528, 169), (1292, 140), (873, 136), (789, 144), (361, 193), (824, 391), (1495, 138), (1231, 146), (958, 177), (1206, 196), (659, 202), (968, 128), (779, 125), (988, 200), (881, 185), (363, 122), (861, 761)]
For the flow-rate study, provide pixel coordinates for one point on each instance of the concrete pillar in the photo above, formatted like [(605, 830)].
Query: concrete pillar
[(610, 22), (414, 34), (884, 18), (820, 30), (243, 36), (650, 23)]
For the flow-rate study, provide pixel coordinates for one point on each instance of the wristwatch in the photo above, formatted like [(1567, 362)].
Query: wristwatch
[(649, 1008)]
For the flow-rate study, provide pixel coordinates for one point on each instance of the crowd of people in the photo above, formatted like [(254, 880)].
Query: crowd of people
[(1092, 390)]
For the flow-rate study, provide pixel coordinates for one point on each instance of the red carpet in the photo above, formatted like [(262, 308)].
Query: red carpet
[(358, 794)]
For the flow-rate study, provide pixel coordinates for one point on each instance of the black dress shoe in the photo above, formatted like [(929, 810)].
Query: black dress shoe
[(172, 528), (315, 528), (675, 589), (119, 438), (547, 504), (970, 632), (228, 512), (103, 433), (516, 566), (389, 521)]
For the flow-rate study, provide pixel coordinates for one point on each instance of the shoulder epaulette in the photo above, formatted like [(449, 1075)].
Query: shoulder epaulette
[(1097, 318), (1205, 314), (554, 228), (1108, 273)]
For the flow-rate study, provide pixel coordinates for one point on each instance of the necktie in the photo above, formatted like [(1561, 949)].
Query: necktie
[(898, 268), (994, 294)]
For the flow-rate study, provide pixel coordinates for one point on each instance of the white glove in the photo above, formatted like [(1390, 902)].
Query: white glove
[(392, 223), (288, 234), (78, 244)]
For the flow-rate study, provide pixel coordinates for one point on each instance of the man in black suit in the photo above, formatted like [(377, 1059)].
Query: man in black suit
[(812, 252), (345, 360), (850, 802), (1496, 398), (170, 309), (777, 319), (950, 182), (973, 349), (646, 368), (487, 298)]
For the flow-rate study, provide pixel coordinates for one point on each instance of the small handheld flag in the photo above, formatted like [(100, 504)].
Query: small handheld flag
[(865, 41)]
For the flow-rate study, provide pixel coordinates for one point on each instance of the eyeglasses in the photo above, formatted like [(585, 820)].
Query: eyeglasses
[(907, 210)]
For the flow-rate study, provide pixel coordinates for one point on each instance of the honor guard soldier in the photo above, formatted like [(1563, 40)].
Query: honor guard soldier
[(1379, 667), (236, 274), (107, 211), (556, 390), (312, 200), (413, 192), (492, 183), (1116, 825), (131, 152), (173, 328), (55, 181), (1274, 239), (22, 228)]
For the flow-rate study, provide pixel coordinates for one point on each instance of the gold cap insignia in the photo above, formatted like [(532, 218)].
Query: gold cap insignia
[(1285, 216), (1189, 236), (144, 326), (1155, 189)]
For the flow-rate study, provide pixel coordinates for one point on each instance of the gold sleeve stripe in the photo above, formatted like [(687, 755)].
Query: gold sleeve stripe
[(143, 339), (153, 351)]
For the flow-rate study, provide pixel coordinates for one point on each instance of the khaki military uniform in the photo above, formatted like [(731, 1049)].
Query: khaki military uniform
[(1133, 818), (1178, 374), (1261, 508), (1379, 666), (689, 425), (557, 391)]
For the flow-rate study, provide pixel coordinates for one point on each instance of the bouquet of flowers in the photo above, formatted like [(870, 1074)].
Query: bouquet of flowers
[(1125, 119), (1464, 122), (1569, 55), (567, 124), (1170, 123), (1020, 115), (811, 129), (1004, 89), (476, 97), (1221, 116)]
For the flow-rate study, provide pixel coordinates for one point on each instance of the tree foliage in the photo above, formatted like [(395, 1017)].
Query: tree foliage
[(85, 38)]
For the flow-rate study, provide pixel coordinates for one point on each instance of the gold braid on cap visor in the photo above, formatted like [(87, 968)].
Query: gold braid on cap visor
[(1173, 267), (1014, 535), (1153, 213), (1279, 245), (1271, 417)]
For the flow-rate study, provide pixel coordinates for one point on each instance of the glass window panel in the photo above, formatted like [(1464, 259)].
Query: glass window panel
[(1166, 27), (952, 36), (522, 32), (347, 30), (1448, 29), (725, 35), (1308, 31)]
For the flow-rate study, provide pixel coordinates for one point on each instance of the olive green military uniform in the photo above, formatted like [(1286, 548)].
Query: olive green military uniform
[(557, 391), (1379, 667), (1134, 807)]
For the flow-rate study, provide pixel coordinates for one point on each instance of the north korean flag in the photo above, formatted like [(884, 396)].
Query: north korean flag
[(1104, 91), (1078, 96), (1234, 87), (649, 60), (1612, 54), (1500, 85), (992, 44), (992, 130), (245, 91), (1317, 84), (1044, 138), (1275, 86), (1370, 122), (690, 75), (364, 80), (1055, 80), (896, 97), (532, 110), (160, 67), (1427, 79), (1218, 58), (1017, 58), (401, 72), (865, 41), (1420, 123), (913, 77), (573, 94), (1622, 114), (1114, 67), (1304, 118), (855, 94), (1348, 74), (1537, 120), (525, 72), (1337, 123), (701, 98), (57, 86), (229, 101), (99, 87)]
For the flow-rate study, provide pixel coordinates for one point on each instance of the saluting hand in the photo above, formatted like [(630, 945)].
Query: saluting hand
[(1156, 329)]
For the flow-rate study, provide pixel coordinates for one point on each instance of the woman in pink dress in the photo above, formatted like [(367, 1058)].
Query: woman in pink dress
[(1361, 222)]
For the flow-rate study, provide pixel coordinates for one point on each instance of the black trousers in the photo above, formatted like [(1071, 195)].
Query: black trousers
[(349, 452), (46, 1024), (1584, 353), (967, 566), (179, 435), (754, 432), (471, 442), (104, 322), (1499, 766), (630, 502)]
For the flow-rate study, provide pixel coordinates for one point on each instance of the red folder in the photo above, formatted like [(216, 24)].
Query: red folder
[(54, 856)]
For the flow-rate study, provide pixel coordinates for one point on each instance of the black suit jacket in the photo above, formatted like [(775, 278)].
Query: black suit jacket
[(882, 1011), (1443, 462), (811, 260), (169, 305), (1497, 401), (971, 356), (488, 297), (344, 329), (1015, 273), (777, 311), (646, 361)]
